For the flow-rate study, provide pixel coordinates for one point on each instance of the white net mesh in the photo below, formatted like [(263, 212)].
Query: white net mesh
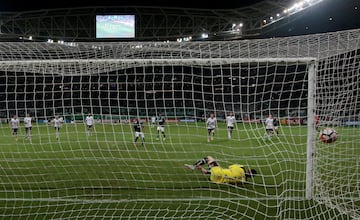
[(103, 175)]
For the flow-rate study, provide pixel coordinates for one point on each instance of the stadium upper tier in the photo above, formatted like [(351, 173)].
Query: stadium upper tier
[(152, 23)]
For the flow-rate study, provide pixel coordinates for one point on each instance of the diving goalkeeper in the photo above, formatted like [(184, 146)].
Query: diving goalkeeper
[(234, 174)]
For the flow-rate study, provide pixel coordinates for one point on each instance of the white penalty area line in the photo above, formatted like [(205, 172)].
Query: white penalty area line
[(139, 200)]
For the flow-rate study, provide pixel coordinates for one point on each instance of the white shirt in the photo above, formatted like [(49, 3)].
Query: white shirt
[(14, 123), (269, 123), (230, 120), (153, 119), (27, 122), (211, 123), (89, 120), (57, 122)]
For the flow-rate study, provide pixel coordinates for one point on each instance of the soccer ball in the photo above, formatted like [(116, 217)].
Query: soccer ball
[(328, 135)]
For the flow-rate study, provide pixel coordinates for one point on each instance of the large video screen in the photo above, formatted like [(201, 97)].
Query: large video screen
[(115, 26)]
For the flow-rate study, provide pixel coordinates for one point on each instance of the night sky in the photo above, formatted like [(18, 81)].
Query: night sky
[(20, 5), (327, 16)]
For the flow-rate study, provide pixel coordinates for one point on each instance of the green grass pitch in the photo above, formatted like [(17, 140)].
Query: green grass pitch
[(104, 176)]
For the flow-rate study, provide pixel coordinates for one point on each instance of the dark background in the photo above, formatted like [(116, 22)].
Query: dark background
[(327, 16), (20, 5)]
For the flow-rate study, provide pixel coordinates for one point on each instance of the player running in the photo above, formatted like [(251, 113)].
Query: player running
[(138, 127), (153, 121), (14, 125), (230, 121), (234, 174), (28, 127), (89, 121), (160, 128), (211, 125)]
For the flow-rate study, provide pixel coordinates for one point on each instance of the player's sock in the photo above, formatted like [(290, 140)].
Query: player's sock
[(143, 142), (189, 167)]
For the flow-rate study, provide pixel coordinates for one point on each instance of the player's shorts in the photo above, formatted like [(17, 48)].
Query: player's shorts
[(160, 128), (89, 126), (28, 129), (269, 129), (15, 130), (211, 130), (230, 127), (57, 128), (139, 134)]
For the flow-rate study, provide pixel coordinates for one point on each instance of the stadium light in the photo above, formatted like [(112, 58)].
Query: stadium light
[(237, 27), (204, 35), (295, 8), (26, 38)]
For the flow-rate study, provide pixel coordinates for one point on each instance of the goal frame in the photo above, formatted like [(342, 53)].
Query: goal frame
[(126, 63), (310, 144)]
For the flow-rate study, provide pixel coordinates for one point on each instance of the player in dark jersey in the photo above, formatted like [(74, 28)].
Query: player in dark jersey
[(276, 126), (160, 128), (138, 129)]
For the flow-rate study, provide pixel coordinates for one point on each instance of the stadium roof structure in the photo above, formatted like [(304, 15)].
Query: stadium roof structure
[(152, 23)]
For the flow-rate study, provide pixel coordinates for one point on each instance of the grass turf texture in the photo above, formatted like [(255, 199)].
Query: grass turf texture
[(104, 176)]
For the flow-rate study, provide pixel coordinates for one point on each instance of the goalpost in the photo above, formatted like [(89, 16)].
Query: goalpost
[(103, 175)]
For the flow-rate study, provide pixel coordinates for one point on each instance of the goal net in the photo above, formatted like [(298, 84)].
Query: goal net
[(103, 171)]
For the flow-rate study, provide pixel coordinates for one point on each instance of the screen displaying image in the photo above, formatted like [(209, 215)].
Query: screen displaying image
[(115, 26)]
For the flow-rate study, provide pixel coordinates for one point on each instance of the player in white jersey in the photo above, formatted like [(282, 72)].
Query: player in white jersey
[(89, 121), (28, 126), (14, 125), (211, 125), (57, 125), (153, 121), (269, 126), (230, 122)]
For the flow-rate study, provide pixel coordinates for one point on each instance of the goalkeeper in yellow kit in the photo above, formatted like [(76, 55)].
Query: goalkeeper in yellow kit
[(234, 174)]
